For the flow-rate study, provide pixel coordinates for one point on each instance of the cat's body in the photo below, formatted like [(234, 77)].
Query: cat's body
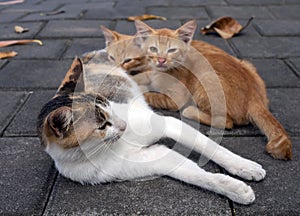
[(101, 132), (168, 56)]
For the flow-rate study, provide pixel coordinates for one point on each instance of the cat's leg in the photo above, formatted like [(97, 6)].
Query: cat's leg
[(279, 145), (193, 139), (160, 160), (194, 113), (169, 101)]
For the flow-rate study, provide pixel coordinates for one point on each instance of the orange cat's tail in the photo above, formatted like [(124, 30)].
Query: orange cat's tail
[(279, 145)]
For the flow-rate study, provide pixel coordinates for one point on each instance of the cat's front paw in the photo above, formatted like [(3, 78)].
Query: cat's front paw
[(248, 170), (244, 195)]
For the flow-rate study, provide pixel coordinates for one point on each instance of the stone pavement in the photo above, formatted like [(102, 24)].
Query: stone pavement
[(29, 183)]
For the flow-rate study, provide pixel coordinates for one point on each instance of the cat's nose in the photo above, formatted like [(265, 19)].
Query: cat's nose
[(161, 60), (122, 125)]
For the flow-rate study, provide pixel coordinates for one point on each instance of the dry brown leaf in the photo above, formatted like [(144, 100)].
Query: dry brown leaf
[(52, 13), (226, 27), (146, 17), (20, 29), (13, 42), (11, 2), (8, 54)]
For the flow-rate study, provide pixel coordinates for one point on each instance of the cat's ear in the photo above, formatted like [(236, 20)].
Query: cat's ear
[(59, 121), (109, 35), (143, 31), (186, 32), (73, 79)]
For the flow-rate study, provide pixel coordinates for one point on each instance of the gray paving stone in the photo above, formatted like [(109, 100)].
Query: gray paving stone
[(255, 2), (72, 11), (278, 27), (51, 49), (127, 27), (277, 194), (2, 62), (73, 28), (284, 104), (8, 32), (142, 3), (276, 73), (32, 8), (9, 103), (238, 12), (24, 124), (26, 176), (286, 11), (179, 12), (9, 17), (216, 41), (197, 3), (80, 46), (270, 47), (159, 196), (68, 14), (33, 74), (295, 62), (114, 13)]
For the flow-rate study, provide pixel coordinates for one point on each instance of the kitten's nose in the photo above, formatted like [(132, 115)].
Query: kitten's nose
[(161, 60)]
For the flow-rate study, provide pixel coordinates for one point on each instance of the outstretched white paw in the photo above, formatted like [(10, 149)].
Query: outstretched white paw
[(237, 190), (247, 169), (243, 195)]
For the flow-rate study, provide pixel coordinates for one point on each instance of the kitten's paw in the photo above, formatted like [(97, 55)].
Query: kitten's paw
[(248, 170), (244, 195), (280, 148), (237, 190)]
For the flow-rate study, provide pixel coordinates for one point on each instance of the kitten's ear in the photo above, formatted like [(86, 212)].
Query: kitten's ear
[(73, 79), (109, 35), (186, 32), (59, 121), (143, 31)]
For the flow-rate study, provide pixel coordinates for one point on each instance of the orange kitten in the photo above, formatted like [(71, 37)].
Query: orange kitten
[(169, 51)]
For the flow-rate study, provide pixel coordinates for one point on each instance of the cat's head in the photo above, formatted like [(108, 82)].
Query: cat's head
[(74, 117), (123, 51), (165, 48)]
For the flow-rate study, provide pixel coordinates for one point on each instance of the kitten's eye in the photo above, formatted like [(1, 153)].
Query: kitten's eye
[(153, 49), (127, 61), (111, 58), (104, 125), (172, 50)]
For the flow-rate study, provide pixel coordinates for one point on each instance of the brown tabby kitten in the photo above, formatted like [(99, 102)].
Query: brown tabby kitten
[(167, 51)]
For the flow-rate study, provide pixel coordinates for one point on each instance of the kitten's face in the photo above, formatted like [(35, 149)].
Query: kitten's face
[(164, 52), (165, 48), (126, 54), (123, 51)]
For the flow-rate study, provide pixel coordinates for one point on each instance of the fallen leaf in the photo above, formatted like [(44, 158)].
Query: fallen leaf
[(11, 2), (146, 17), (52, 13), (8, 54), (20, 29), (13, 42), (226, 27)]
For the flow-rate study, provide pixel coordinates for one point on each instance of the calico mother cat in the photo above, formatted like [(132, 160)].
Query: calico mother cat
[(168, 52), (98, 128)]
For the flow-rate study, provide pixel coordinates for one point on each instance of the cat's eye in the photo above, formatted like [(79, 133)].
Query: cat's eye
[(172, 50), (153, 49), (104, 125), (111, 58), (127, 61)]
